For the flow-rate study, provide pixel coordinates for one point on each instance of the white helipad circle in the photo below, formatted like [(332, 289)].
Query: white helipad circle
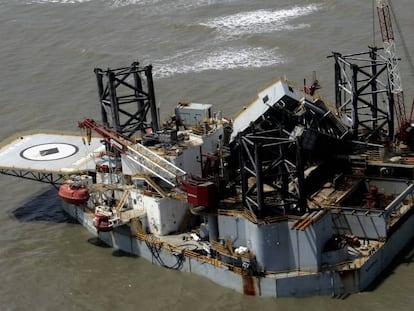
[(49, 152)]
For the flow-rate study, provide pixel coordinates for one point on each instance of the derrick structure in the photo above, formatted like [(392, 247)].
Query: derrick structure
[(363, 95), (271, 181), (127, 98)]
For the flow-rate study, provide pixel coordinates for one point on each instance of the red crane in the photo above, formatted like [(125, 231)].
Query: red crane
[(405, 131)]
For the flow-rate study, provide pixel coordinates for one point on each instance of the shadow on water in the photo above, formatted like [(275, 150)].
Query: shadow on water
[(120, 253), (44, 207), (95, 241), (405, 257), (47, 207)]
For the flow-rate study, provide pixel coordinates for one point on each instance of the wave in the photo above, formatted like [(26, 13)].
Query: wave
[(222, 59), (164, 4), (261, 21), (57, 1), (171, 5)]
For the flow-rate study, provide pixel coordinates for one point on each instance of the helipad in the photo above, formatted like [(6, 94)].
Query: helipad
[(49, 153)]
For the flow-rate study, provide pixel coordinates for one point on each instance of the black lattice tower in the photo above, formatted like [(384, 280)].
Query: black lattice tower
[(363, 98), (127, 99), (271, 161)]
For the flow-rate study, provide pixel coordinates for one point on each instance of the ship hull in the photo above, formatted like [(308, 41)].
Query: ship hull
[(290, 284)]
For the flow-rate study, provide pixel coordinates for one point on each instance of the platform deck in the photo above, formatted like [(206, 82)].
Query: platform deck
[(49, 153)]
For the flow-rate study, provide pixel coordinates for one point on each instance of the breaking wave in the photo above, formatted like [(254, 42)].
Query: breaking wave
[(169, 4), (160, 5), (57, 1), (209, 56), (223, 59), (261, 21)]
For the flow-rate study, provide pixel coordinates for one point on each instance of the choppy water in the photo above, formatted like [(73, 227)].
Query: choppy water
[(211, 51)]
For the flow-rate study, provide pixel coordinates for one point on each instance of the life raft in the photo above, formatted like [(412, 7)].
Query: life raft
[(102, 222), (73, 194)]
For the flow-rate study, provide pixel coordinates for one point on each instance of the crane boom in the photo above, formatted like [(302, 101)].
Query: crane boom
[(387, 34), (146, 159)]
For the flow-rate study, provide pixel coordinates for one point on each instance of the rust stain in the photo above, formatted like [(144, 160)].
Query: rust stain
[(248, 284)]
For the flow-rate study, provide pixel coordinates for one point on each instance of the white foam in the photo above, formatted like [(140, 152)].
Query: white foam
[(168, 5), (261, 21), (57, 1), (222, 59), (120, 3)]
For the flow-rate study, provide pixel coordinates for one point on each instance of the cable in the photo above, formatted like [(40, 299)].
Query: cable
[(156, 253)]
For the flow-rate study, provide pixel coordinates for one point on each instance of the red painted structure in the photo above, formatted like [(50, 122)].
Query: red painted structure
[(73, 194), (201, 193), (102, 223)]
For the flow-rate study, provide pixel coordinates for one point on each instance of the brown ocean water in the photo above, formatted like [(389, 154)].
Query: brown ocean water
[(210, 51)]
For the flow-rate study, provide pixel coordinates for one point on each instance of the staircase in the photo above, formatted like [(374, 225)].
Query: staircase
[(155, 164)]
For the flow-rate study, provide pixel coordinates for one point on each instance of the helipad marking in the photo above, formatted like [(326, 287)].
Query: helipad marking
[(49, 152)]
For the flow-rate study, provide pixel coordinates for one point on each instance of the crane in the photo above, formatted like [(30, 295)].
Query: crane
[(149, 161), (405, 130)]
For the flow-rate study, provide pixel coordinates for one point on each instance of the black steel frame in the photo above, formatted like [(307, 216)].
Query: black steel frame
[(127, 97), (359, 81), (268, 160), (44, 177)]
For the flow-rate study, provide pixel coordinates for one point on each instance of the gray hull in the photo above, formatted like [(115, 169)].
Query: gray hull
[(289, 284)]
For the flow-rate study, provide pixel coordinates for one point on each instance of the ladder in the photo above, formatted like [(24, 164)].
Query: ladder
[(155, 164)]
